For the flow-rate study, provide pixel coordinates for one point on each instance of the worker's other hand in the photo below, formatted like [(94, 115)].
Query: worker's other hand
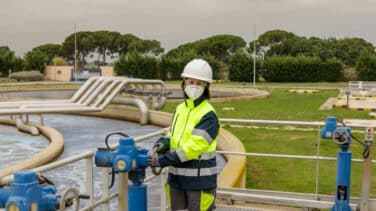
[(153, 160), (162, 145)]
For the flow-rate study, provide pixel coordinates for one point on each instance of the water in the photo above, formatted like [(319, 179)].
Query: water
[(16, 146)]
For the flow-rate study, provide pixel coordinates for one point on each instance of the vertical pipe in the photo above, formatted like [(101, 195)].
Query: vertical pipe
[(123, 192), (163, 190), (75, 54), (366, 180), (317, 162), (254, 56), (106, 192), (89, 180)]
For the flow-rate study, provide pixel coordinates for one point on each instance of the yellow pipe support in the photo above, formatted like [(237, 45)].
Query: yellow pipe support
[(50, 153)]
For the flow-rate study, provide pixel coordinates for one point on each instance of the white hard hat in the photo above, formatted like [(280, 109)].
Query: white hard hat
[(198, 69)]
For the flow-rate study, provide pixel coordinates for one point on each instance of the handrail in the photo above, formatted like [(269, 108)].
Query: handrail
[(283, 122)]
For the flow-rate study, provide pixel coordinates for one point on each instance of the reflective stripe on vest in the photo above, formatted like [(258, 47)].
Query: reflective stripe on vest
[(203, 156), (203, 133), (189, 172)]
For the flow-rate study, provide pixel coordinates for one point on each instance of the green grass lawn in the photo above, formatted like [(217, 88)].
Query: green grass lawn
[(291, 174), (282, 105)]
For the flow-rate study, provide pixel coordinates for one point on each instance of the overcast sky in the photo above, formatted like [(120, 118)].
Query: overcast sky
[(29, 23)]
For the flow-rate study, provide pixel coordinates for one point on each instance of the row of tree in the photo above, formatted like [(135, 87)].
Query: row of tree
[(127, 48)]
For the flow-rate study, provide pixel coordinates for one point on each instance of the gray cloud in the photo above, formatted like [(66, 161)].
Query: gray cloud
[(26, 24)]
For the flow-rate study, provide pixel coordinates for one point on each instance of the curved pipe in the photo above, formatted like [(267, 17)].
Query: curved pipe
[(159, 102), (48, 154), (136, 102), (21, 126)]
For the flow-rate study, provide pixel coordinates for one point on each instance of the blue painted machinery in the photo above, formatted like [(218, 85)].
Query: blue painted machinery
[(127, 159), (342, 136), (27, 194)]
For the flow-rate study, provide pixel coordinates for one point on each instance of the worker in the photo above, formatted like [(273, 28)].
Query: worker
[(191, 144)]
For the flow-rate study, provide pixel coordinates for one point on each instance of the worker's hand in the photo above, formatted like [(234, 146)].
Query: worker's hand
[(162, 145), (153, 160)]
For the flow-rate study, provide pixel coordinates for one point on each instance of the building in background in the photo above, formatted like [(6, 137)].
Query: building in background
[(66, 73)]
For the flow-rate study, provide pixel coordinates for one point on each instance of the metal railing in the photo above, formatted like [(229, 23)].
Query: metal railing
[(316, 200)]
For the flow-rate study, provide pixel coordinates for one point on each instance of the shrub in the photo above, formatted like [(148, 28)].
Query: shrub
[(241, 67), (366, 67), (301, 69), (33, 75), (137, 65), (331, 70)]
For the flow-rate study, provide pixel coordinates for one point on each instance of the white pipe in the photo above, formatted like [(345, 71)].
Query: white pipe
[(96, 92), (136, 102), (123, 191), (105, 190), (106, 93), (83, 88), (159, 102), (90, 90), (89, 180)]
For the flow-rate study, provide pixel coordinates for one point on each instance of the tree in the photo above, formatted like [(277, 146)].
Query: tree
[(273, 42), (349, 50), (105, 43), (85, 45), (124, 41), (219, 46), (222, 46), (50, 50), (36, 60), (8, 61), (146, 47)]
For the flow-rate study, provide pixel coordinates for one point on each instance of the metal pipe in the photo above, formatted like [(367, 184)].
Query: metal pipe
[(123, 192), (90, 90), (99, 202), (317, 160), (158, 102), (89, 180), (98, 90), (137, 102), (105, 93), (279, 122), (106, 192), (285, 156), (83, 88), (53, 165), (366, 180), (112, 95), (163, 190)]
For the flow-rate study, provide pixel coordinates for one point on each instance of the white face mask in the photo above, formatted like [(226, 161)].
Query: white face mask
[(194, 91)]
